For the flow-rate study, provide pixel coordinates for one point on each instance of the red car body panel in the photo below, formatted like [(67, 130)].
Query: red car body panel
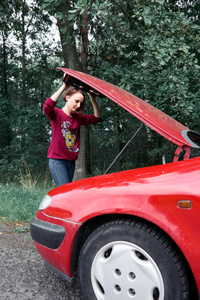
[(148, 114), (59, 258), (150, 193)]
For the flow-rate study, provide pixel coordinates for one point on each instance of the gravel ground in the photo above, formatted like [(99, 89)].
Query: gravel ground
[(23, 274)]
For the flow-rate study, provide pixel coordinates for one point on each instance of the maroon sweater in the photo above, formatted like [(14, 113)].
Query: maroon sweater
[(65, 142)]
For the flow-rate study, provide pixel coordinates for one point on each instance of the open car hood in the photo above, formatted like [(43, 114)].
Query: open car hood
[(148, 114)]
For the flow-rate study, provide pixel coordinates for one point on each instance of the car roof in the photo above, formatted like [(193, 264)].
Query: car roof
[(145, 112)]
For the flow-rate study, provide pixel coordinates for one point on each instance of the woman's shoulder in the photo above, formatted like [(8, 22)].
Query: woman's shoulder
[(77, 115)]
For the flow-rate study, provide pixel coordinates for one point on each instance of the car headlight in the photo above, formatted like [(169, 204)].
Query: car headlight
[(45, 202)]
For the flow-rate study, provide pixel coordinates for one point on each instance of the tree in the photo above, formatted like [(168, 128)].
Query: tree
[(145, 47), (73, 59), (25, 60), (153, 52)]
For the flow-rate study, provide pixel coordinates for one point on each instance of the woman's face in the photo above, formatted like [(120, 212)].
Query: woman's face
[(74, 101)]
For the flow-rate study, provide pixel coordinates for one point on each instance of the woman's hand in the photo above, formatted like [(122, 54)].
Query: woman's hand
[(97, 113), (65, 81), (57, 94), (92, 97)]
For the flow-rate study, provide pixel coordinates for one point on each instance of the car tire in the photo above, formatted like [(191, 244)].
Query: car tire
[(131, 260)]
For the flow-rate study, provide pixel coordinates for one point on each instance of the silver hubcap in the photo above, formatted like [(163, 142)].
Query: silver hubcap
[(122, 270)]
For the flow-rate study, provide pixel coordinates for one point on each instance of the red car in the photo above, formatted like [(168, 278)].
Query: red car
[(133, 234)]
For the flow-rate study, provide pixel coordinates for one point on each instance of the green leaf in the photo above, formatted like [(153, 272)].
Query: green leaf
[(160, 1), (147, 21)]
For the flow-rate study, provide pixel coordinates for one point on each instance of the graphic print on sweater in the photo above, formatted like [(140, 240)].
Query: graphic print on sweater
[(71, 138)]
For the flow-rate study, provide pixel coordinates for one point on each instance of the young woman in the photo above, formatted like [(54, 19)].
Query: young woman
[(66, 123)]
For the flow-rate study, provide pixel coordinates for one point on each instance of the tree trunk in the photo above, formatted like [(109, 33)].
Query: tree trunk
[(83, 162), (84, 61), (69, 52), (5, 125), (80, 171), (71, 59), (23, 76), (84, 46), (5, 88), (150, 145)]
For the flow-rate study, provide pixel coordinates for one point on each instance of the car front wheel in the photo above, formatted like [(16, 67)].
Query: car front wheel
[(131, 260)]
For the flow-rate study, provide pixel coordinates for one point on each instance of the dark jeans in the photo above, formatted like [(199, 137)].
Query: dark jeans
[(62, 170)]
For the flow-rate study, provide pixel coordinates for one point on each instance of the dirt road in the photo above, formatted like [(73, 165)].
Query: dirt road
[(23, 274)]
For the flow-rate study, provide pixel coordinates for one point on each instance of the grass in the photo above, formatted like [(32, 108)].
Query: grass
[(18, 204)]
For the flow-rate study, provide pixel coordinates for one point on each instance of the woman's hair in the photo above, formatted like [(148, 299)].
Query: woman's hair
[(73, 90)]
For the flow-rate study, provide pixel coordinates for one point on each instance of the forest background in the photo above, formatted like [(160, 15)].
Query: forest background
[(150, 48)]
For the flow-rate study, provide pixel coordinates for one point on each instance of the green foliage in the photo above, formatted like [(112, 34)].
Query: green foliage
[(18, 204), (23, 127), (171, 63), (150, 48), (153, 52)]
